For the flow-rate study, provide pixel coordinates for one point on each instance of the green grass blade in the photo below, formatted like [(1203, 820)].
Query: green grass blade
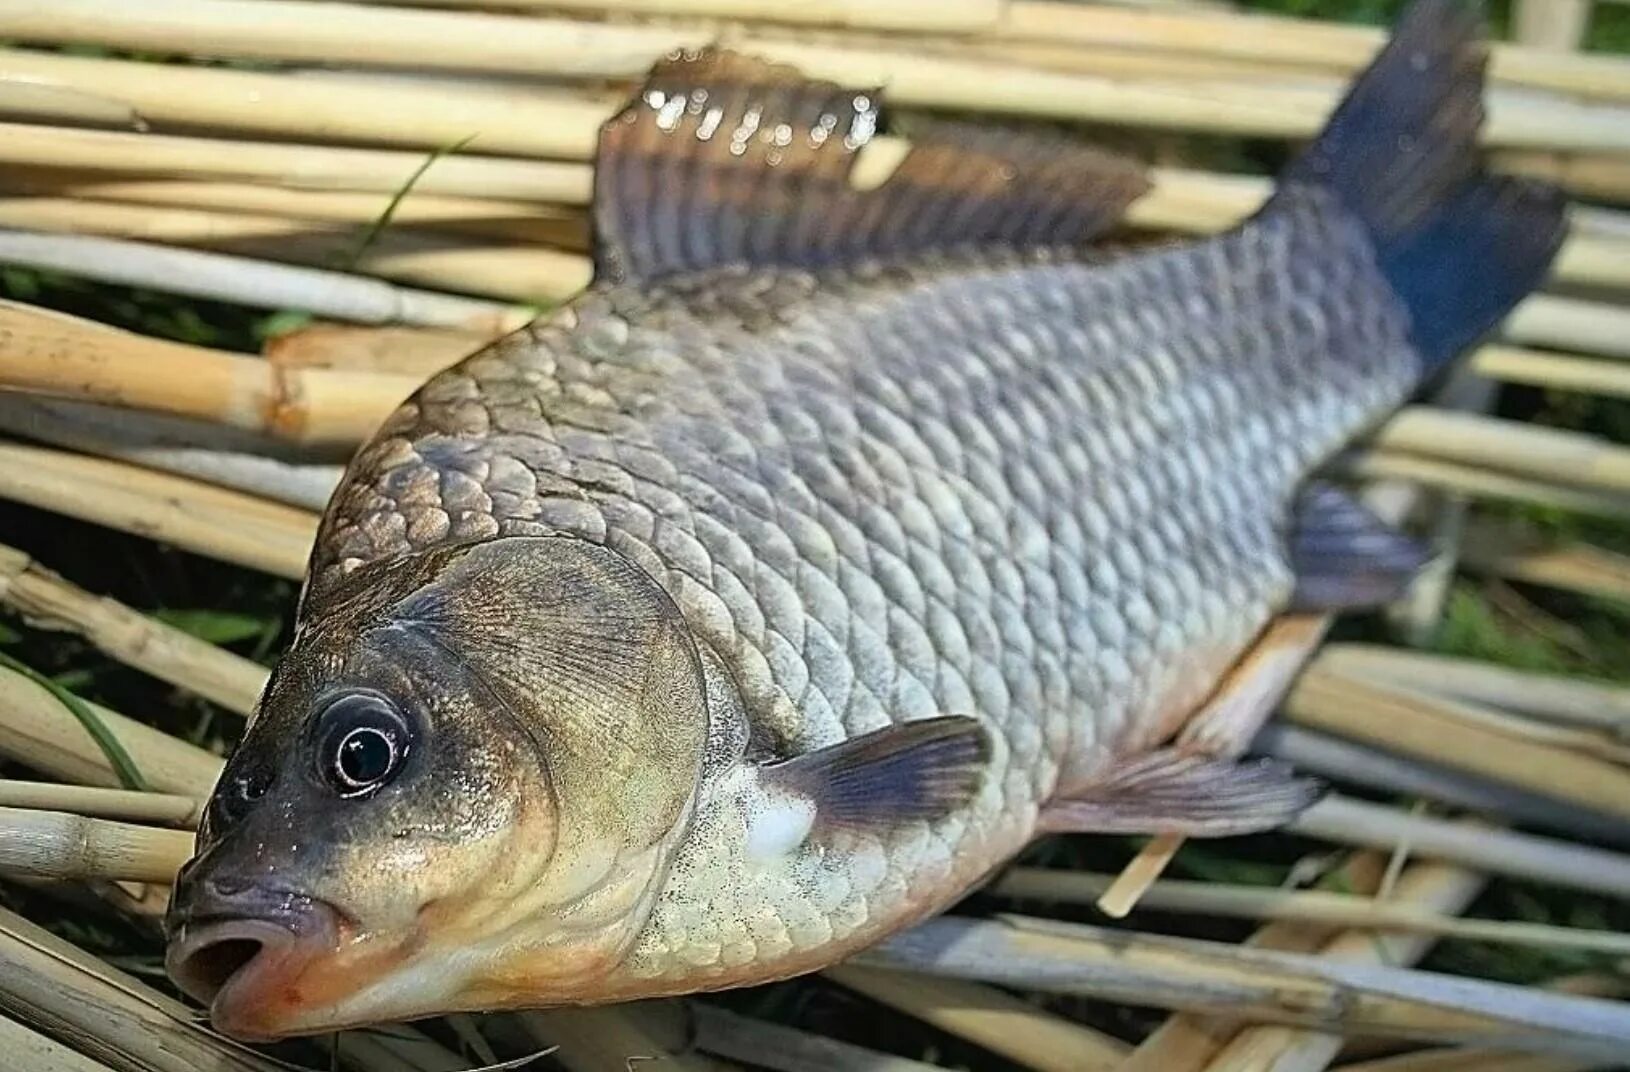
[(123, 765)]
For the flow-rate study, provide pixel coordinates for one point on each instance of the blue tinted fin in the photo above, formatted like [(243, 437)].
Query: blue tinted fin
[(912, 771), (1460, 247), (1346, 558)]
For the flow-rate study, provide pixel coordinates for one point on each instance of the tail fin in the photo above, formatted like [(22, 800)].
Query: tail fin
[(1459, 246)]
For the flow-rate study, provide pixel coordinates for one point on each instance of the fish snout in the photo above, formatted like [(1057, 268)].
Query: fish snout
[(231, 937)]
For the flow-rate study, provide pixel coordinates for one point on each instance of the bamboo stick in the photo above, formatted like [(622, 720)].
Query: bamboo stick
[(39, 732), (1473, 1060), (1556, 697), (1304, 906), (223, 524), (302, 30), (59, 845), (70, 357), (1546, 860), (1596, 176), (250, 282), (48, 601), (1287, 988), (60, 989), (37, 1053), (1562, 372), (100, 803), (761, 1044), (147, 439), (1456, 735), (987, 1017)]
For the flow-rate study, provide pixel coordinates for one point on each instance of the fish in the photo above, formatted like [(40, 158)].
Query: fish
[(856, 527)]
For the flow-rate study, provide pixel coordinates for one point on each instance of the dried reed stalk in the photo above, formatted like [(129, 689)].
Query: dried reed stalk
[(1554, 697), (249, 282), (97, 802), (1344, 761), (1568, 458), (496, 118), (35, 1052), (304, 31), (1550, 861), (61, 990), (1271, 40), (69, 357), (761, 1044), (988, 1017), (1295, 989), (1571, 324), (417, 352), (918, 16), (1482, 482), (318, 167), (1433, 886), (1457, 735), (1304, 906), (48, 601), (222, 524), (1562, 372), (60, 845), (147, 439), (39, 732), (516, 221), (616, 1036), (1473, 1060), (1573, 565)]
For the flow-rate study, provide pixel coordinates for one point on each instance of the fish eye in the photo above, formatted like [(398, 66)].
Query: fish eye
[(363, 741)]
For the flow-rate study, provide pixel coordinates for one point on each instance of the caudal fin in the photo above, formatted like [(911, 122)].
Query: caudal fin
[(1458, 245)]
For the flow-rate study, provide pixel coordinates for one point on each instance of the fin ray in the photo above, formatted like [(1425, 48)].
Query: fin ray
[(1346, 558), (1171, 791), (724, 159)]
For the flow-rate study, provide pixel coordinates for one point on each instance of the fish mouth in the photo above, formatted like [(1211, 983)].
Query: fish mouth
[(247, 968)]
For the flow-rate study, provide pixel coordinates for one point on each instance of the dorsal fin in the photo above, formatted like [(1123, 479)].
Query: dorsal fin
[(724, 159)]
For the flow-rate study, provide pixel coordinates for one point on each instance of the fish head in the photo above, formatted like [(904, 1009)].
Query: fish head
[(460, 791)]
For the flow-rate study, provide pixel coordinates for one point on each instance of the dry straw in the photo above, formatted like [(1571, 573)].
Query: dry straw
[(300, 30)]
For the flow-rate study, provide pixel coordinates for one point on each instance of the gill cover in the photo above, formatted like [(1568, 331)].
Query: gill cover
[(460, 791)]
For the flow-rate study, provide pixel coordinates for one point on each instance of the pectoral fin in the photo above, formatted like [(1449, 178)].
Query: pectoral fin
[(913, 771), (1175, 792), (1344, 556)]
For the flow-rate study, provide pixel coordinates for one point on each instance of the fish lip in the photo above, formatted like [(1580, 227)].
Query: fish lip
[(287, 932)]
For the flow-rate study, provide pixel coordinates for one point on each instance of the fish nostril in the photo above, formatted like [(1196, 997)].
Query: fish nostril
[(227, 886)]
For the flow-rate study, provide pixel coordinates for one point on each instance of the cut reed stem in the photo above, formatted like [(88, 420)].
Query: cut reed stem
[(60, 845), (1458, 735), (417, 352), (1339, 996), (1304, 906), (40, 733), (124, 634), (300, 30), (987, 1017), (100, 803), (258, 284), (74, 358), (60, 989), (1551, 861), (1572, 565), (207, 520)]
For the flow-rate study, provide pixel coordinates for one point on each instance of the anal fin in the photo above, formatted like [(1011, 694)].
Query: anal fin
[(1346, 558), (1170, 791)]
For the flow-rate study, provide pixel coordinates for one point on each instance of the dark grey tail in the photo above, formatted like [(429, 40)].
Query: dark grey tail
[(1459, 246)]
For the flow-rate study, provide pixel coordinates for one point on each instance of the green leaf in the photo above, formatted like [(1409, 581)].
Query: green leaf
[(281, 322), (118, 758), (214, 626)]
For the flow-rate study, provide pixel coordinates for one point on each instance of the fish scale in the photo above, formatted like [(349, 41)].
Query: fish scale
[(1039, 508)]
